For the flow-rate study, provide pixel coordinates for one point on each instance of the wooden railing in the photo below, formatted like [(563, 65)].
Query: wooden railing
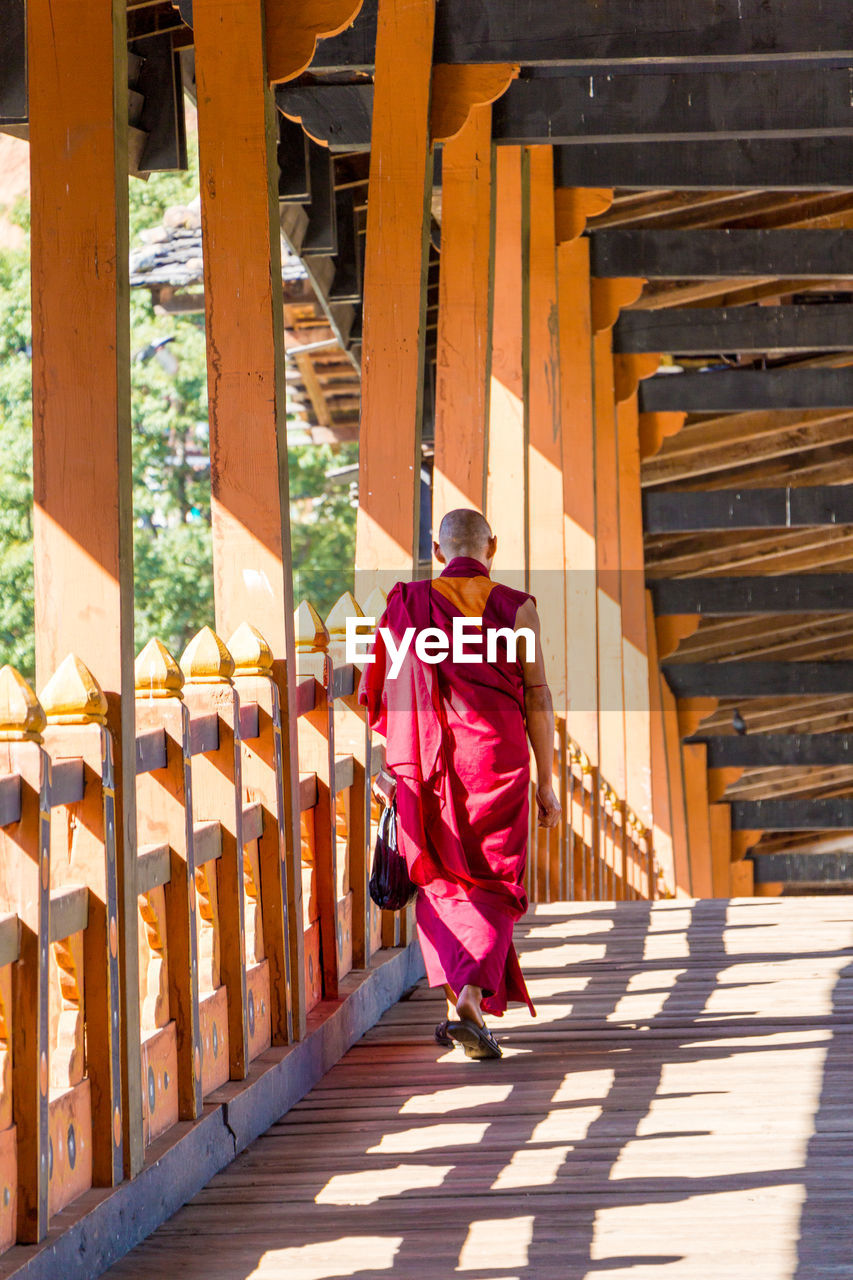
[(241, 935)]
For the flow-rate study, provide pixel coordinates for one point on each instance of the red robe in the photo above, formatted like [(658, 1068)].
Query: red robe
[(456, 740)]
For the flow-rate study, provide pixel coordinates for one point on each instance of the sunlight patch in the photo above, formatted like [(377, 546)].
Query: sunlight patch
[(570, 1125), (344, 1257), (371, 1185), (497, 1244), (444, 1100), (585, 1084), (529, 1168), (431, 1135)]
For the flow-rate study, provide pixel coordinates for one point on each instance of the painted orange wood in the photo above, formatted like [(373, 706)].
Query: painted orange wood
[(280, 886), (611, 696), (742, 879), (82, 853), (720, 818), (545, 443), (579, 493), (317, 755), (459, 89), (677, 790), (463, 356), (293, 28), (506, 488), (657, 427), (81, 424), (164, 797), (70, 1130), (25, 889), (694, 756), (218, 797), (8, 1186), (635, 642), (662, 797), (396, 260), (574, 205)]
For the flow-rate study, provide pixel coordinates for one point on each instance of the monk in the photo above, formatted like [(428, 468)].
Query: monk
[(456, 727)]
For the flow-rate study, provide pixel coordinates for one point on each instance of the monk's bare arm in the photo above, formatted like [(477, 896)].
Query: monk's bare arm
[(539, 713)]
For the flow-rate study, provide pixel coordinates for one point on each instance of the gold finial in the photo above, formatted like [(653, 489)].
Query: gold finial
[(250, 651), (156, 673), (21, 714), (206, 660), (374, 605), (585, 764), (73, 696), (311, 634), (336, 623)]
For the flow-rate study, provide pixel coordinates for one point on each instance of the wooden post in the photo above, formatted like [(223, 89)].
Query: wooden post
[(82, 528), (506, 494), (635, 645), (218, 797), (398, 219), (664, 798), (166, 816), (463, 358), (238, 132), (579, 494), (25, 889)]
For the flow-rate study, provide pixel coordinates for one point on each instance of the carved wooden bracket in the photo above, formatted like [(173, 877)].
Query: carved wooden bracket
[(719, 780), (456, 90), (629, 370), (295, 26), (610, 296), (657, 427), (672, 629), (574, 206), (742, 842), (691, 713)]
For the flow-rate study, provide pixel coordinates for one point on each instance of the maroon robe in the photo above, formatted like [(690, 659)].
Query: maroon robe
[(456, 740)]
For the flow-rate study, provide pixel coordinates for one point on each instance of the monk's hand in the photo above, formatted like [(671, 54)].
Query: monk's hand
[(549, 807), (384, 787)]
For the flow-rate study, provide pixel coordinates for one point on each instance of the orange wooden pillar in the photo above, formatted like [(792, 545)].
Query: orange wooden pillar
[(463, 356), (506, 491), (395, 270), (635, 643), (694, 761), (81, 412), (246, 383)]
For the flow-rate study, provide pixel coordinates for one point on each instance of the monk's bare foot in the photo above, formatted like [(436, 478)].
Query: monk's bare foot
[(468, 1004)]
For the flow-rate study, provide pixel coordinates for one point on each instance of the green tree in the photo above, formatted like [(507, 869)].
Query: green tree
[(171, 473)]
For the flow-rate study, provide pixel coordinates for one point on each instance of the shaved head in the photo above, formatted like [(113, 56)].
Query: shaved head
[(465, 532)]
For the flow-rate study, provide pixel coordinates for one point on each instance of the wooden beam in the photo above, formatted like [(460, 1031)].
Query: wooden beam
[(695, 511), (779, 750), (83, 535), (734, 390), (321, 234), (507, 478), (803, 868), (800, 593), (824, 814), (661, 103), (806, 164), (238, 136), (711, 330), (699, 254), (464, 350), (396, 264), (577, 32), (294, 178), (13, 62), (757, 679), (162, 118)]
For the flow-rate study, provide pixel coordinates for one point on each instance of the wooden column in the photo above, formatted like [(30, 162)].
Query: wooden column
[(579, 493), (506, 493), (245, 357), (635, 645), (398, 219), (81, 411), (463, 358)]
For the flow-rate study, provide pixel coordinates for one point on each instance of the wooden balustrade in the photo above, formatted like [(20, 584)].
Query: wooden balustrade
[(240, 934)]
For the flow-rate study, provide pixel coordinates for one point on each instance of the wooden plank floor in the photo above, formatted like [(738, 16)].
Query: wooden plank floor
[(682, 1107)]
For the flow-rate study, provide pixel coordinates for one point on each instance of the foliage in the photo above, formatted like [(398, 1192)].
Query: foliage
[(171, 473)]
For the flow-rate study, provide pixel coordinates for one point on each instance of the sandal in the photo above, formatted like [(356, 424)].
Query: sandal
[(441, 1036), (478, 1042)]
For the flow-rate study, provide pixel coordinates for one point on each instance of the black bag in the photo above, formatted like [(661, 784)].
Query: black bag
[(390, 886)]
